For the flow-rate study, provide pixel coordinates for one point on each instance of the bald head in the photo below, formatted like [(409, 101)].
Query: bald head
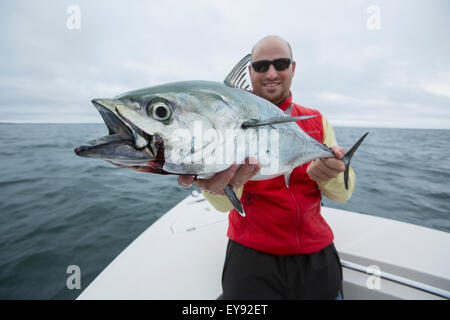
[(269, 43)]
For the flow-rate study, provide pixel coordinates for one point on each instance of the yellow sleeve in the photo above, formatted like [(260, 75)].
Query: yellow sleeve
[(221, 202), (334, 189)]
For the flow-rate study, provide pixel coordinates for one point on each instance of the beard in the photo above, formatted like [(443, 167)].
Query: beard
[(276, 97)]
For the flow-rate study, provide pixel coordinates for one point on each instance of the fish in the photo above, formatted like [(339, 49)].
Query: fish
[(200, 128)]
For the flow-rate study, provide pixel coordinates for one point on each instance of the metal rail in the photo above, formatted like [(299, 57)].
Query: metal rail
[(391, 277)]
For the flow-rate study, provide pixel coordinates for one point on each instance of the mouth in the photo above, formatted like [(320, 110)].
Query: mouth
[(126, 144), (271, 85)]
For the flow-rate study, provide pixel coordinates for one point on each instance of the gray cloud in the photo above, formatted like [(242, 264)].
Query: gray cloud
[(398, 75)]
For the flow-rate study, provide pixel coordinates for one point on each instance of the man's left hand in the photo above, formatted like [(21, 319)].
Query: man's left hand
[(321, 170)]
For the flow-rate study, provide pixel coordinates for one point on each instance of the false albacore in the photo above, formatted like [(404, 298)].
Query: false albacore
[(200, 128)]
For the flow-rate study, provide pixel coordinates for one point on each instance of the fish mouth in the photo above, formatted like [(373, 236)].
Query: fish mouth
[(126, 145)]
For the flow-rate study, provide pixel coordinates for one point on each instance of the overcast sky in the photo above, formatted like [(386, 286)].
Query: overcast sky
[(364, 63)]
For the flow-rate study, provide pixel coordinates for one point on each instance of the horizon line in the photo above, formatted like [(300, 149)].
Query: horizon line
[(373, 125)]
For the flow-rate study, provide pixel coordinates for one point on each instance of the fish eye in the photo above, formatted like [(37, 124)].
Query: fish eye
[(160, 111)]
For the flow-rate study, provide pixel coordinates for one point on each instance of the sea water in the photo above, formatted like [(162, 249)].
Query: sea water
[(59, 210)]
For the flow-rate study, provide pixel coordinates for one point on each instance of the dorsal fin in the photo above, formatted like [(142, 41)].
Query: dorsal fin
[(238, 77)]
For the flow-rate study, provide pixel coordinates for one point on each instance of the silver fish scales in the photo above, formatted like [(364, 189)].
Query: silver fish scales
[(200, 128)]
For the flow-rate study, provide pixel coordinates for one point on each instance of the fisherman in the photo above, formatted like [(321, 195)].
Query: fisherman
[(282, 248)]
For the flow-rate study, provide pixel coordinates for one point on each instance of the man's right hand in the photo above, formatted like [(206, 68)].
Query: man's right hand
[(235, 175)]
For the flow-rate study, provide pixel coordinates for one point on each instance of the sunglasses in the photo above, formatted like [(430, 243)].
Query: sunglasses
[(279, 64)]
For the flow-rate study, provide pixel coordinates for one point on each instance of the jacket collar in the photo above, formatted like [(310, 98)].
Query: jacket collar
[(286, 103)]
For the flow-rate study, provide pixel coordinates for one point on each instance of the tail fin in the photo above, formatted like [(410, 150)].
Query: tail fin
[(348, 157)]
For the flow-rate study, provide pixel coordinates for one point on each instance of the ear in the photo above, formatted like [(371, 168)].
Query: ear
[(293, 67), (251, 73)]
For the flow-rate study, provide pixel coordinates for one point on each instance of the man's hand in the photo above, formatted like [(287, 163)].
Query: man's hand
[(234, 175), (321, 170)]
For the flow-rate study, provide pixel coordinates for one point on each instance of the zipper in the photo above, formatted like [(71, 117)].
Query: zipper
[(297, 217)]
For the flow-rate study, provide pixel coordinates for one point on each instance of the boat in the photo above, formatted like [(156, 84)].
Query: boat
[(181, 256)]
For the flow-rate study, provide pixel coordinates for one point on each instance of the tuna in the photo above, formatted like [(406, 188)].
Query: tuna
[(200, 128)]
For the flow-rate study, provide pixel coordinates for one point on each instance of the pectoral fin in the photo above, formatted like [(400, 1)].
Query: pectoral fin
[(234, 200), (276, 120)]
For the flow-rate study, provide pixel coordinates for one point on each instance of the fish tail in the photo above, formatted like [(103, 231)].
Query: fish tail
[(348, 157)]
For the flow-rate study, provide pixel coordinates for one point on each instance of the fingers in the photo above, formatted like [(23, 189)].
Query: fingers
[(331, 164), (329, 168), (317, 172), (235, 175), (339, 152), (218, 182), (245, 172), (185, 181), (321, 170)]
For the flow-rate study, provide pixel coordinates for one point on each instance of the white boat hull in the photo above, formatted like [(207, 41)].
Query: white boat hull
[(181, 256)]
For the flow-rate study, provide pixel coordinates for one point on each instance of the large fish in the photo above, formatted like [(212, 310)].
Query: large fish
[(200, 128)]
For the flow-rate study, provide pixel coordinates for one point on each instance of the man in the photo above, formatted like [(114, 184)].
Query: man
[(282, 248)]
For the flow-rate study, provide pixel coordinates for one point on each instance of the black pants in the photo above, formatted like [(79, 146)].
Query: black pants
[(251, 274)]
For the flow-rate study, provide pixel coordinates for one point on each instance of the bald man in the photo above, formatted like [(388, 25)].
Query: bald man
[(282, 248)]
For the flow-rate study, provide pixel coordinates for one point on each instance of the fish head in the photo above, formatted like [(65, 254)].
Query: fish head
[(126, 145), (151, 128)]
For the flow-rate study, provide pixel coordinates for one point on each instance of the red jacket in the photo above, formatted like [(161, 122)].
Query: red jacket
[(284, 220)]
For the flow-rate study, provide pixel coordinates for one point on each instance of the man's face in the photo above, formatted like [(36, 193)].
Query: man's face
[(272, 85)]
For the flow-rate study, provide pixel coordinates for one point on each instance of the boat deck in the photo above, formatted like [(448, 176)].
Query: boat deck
[(181, 256)]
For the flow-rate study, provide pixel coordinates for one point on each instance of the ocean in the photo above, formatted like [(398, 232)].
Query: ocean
[(57, 209)]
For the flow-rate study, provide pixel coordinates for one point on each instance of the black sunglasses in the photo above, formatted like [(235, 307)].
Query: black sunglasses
[(279, 64)]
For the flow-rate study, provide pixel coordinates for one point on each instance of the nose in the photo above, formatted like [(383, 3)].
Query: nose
[(271, 73)]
